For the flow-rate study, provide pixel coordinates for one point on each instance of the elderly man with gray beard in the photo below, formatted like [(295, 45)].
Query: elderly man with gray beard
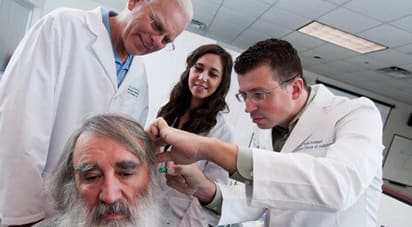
[(106, 177)]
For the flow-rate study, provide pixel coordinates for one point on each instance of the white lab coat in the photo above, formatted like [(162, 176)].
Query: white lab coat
[(328, 173), (182, 210), (62, 72)]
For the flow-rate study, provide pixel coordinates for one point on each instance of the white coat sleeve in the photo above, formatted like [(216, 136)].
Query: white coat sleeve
[(328, 183), (236, 206), (26, 118)]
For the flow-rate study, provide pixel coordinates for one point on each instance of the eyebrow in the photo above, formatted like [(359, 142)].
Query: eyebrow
[(212, 68), (86, 167), (253, 90), (126, 165)]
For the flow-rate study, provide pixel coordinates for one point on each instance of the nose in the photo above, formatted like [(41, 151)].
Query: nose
[(157, 41), (111, 190), (249, 105), (203, 76)]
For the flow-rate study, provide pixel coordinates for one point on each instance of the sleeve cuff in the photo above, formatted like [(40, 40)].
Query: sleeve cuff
[(244, 166), (216, 204)]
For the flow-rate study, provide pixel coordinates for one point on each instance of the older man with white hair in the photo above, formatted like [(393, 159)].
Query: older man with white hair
[(106, 177)]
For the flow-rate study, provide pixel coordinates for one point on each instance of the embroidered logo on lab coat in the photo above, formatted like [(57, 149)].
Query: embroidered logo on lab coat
[(314, 144), (133, 91)]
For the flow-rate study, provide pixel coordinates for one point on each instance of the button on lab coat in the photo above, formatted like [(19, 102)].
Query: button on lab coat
[(62, 72)]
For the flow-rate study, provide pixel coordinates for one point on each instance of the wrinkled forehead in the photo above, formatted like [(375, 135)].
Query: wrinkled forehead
[(93, 148)]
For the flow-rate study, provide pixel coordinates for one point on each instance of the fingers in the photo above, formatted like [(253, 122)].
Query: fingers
[(163, 157), (155, 129), (179, 184), (171, 169)]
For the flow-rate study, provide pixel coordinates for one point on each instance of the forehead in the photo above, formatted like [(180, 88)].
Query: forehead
[(259, 77), (211, 60), (103, 151), (171, 15)]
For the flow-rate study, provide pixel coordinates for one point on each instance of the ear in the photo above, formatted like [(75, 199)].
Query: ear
[(297, 87), (132, 3)]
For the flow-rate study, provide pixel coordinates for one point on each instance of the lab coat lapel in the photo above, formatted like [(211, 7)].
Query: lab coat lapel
[(310, 120), (101, 45)]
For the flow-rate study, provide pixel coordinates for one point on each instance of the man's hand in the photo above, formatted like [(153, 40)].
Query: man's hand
[(185, 145), (189, 179)]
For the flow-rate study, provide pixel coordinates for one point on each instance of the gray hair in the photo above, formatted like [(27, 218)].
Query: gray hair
[(126, 131), (186, 6)]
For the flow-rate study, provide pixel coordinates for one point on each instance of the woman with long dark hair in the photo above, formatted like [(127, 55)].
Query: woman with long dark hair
[(196, 104)]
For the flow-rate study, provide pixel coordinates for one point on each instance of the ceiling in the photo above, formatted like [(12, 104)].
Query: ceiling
[(240, 23)]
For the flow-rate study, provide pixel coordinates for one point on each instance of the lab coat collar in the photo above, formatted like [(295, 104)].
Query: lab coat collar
[(100, 45), (309, 122)]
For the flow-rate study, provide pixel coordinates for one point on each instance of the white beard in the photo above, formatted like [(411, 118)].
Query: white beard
[(146, 213)]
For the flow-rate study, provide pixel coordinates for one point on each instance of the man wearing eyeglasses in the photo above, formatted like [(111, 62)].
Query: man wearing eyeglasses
[(73, 64), (319, 157)]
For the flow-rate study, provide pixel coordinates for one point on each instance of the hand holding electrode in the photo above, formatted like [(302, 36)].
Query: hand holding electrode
[(185, 149)]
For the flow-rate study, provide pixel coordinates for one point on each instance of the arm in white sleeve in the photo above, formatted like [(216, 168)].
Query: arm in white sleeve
[(26, 118)]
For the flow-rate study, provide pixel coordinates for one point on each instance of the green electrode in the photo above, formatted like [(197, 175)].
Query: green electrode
[(162, 169)]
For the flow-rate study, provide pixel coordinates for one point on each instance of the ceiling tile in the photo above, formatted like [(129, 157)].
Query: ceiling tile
[(387, 35), (404, 23), (266, 27), (285, 18), (391, 57), (407, 49), (205, 11), (366, 61), (336, 68), (243, 7), (309, 62), (312, 9), (384, 11), (230, 17), (348, 21), (338, 2), (250, 37), (269, 1), (225, 19)]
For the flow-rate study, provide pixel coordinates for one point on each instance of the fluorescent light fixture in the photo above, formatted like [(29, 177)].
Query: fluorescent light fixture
[(340, 38)]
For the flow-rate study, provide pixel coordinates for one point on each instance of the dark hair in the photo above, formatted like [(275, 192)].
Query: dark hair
[(202, 118), (278, 54)]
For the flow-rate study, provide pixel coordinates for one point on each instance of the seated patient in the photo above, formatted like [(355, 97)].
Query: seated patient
[(106, 177)]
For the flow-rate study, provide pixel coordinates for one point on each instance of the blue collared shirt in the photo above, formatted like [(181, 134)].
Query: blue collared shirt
[(121, 67)]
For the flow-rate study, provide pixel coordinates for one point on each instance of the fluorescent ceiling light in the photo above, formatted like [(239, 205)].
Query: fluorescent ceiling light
[(340, 38)]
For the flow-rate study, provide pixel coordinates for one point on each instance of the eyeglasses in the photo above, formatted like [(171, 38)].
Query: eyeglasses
[(158, 27), (259, 95)]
